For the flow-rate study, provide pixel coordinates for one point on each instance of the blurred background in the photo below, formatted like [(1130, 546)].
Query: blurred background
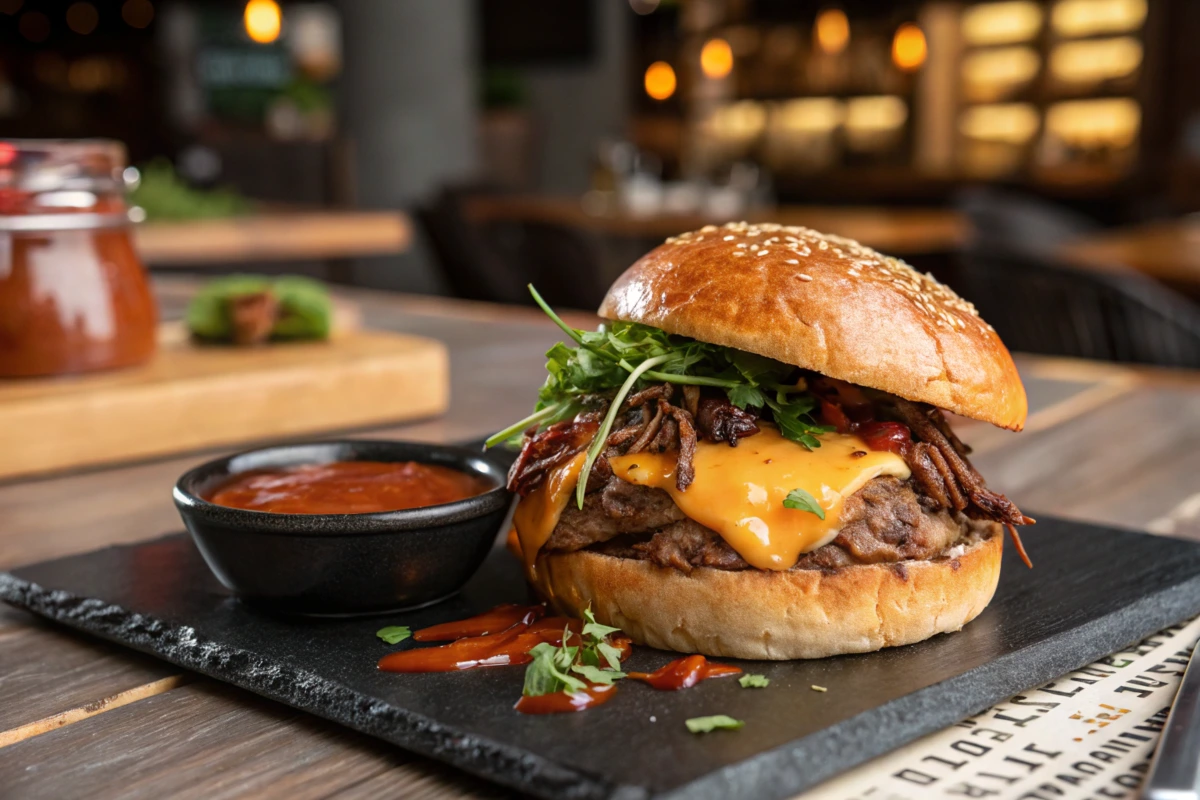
[(1041, 156)]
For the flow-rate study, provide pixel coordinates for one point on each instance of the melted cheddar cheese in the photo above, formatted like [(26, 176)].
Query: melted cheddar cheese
[(537, 514), (737, 492)]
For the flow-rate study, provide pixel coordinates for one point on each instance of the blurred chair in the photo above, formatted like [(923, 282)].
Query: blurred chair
[(1010, 222), (1038, 305), (495, 260)]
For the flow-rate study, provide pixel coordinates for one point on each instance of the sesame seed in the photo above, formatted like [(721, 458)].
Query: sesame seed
[(730, 238), (791, 261), (763, 252), (804, 277)]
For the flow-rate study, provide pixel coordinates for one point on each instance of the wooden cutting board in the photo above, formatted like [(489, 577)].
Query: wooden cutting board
[(194, 397)]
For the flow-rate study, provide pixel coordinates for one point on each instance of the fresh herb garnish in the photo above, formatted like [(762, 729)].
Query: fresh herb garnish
[(754, 681), (624, 356), (551, 668), (717, 722), (394, 634), (803, 501)]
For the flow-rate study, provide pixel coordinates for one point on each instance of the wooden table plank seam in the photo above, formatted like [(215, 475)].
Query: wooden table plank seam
[(100, 706)]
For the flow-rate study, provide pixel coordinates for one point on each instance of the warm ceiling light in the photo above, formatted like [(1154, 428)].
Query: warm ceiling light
[(1090, 17), (82, 18), (137, 13), (908, 47), (878, 113), (989, 74), (808, 115), (1001, 23), (1095, 60), (716, 58), (263, 20), (1010, 123), (659, 80), (832, 31), (1110, 122)]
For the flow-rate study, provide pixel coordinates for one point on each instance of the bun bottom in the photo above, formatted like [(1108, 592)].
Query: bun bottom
[(777, 616)]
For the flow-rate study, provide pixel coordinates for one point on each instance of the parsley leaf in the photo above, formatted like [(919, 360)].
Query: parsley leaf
[(595, 629), (551, 668), (549, 671), (597, 675), (394, 634), (754, 681), (714, 723), (802, 500)]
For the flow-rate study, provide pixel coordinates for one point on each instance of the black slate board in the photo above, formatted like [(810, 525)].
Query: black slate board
[(1093, 591)]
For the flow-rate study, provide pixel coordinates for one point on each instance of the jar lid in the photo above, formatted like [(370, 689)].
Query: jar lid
[(37, 166), (89, 220)]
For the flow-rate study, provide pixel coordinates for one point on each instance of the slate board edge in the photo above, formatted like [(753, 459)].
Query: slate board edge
[(179, 645), (788, 770)]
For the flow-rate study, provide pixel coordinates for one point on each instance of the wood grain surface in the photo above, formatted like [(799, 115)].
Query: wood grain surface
[(1168, 250), (1105, 443), (191, 396), (271, 236)]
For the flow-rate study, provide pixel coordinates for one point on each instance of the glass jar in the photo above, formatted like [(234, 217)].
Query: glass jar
[(73, 293)]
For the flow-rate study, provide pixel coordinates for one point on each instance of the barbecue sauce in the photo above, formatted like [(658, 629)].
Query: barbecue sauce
[(683, 673), (560, 702), (500, 618), (348, 487)]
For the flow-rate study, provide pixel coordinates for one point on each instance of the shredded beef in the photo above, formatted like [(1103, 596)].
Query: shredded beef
[(719, 420)]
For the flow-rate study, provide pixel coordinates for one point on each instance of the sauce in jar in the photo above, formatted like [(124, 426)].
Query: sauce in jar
[(348, 487), (73, 293)]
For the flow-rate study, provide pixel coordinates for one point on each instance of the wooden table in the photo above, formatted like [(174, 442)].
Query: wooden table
[(899, 231), (274, 236), (1168, 251), (82, 717)]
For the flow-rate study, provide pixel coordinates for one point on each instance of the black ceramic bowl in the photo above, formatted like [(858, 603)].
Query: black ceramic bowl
[(344, 563)]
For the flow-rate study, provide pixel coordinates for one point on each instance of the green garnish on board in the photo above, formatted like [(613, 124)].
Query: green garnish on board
[(627, 356), (394, 634), (301, 307), (553, 669), (754, 681), (717, 722)]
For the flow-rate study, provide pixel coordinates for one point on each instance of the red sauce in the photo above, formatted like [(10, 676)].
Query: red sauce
[(348, 487), (71, 300), (683, 673), (506, 648), (893, 436), (500, 618), (560, 702)]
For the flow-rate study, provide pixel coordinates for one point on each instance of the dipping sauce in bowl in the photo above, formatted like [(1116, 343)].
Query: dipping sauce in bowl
[(348, 487)]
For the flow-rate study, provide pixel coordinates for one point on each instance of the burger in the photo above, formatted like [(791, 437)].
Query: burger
[(750, 458)]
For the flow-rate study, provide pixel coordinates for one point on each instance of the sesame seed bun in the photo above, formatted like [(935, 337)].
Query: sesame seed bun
[(760, 614), (827, 304)]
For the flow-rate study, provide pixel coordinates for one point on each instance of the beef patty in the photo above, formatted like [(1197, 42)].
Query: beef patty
[(881, 523)]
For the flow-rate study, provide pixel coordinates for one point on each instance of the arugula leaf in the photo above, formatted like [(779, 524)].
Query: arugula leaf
[(754, 681), (802, 500), (394, 634), (714, 723), (621, 357)]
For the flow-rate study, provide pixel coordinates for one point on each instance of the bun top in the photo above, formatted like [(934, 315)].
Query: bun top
[(827, 304)]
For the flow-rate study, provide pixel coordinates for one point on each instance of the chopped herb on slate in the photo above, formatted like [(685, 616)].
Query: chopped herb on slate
[(754, 681), (394, 634), (816, 688), (718, 722)]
